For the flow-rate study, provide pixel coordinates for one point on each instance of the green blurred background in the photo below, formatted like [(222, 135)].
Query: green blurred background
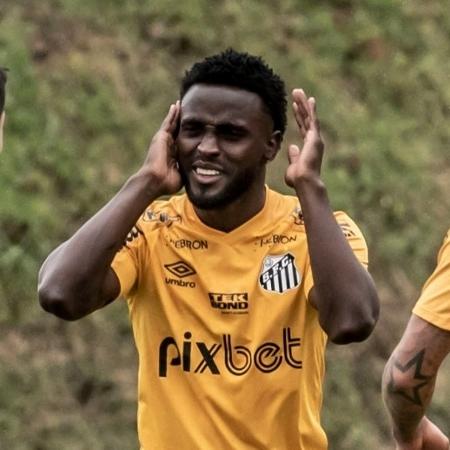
[(89, 84)]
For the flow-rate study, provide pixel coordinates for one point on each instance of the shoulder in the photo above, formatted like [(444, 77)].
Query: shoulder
[(283, 205), (347, 225), (445, 247), (162, 213)]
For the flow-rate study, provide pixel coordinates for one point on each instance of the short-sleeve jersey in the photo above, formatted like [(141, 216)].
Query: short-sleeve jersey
[(231, 353), (434, 302)]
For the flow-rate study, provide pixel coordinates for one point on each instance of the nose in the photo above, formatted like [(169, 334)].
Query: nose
[(208, 144)]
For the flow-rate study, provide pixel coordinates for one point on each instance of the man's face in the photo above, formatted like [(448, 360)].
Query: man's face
[(2, 121), (225, 139)]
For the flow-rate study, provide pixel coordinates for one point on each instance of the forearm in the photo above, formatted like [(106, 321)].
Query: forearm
[(74, 273), (407, 392), (410, 374), (346, 297)]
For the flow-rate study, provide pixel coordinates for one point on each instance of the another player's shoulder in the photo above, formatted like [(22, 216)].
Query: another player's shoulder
[(444, 251), (447, 238)]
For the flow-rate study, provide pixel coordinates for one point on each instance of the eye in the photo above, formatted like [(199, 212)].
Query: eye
[(231, 131), (191, 128)]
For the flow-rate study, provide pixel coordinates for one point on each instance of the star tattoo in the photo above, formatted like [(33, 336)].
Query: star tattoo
[(414, 366)]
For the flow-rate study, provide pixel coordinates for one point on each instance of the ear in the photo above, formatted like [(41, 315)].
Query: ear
[(273, 146)]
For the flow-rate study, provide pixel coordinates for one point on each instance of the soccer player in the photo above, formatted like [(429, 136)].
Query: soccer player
[(410, 374), (232, 288), (2, 103)]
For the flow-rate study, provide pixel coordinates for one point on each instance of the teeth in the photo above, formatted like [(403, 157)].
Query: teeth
[(209, 172)]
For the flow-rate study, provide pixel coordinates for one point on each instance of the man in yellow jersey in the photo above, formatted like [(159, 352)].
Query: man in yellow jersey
[(2, 103), (410, 374), (232, 288)]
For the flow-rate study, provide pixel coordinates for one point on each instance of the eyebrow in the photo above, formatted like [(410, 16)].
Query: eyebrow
[(220, 124)]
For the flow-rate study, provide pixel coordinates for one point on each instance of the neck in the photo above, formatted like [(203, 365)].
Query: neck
[(234, 214)]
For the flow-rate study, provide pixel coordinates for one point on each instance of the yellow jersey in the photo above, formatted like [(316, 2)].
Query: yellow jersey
[(434, 302), (231, 353)]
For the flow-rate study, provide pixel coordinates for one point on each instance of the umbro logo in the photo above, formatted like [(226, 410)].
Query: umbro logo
[(180, 269)]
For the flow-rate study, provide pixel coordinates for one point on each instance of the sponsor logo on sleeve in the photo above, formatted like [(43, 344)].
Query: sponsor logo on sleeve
[(347, 229), (161, 217), (298, 216), (134, 233), (181, 270), (279, 273)]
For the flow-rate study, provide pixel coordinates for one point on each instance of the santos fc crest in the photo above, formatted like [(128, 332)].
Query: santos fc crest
[(278, 273)]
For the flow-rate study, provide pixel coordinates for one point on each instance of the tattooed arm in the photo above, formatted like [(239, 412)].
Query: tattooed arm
[(408, 384)]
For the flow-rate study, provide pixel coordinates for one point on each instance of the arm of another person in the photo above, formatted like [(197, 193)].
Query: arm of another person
[(76, 278), (343, 293), (408, 385)]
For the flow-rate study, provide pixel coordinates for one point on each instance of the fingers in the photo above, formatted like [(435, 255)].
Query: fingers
[(170, 122), (293, 153), (304, 111)]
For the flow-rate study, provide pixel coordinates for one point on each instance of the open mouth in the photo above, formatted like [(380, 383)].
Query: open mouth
[(206, 175), (206, 172)]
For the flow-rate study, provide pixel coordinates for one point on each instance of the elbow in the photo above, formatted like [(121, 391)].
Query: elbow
[(54, 301), (355, 329), (352, 333)]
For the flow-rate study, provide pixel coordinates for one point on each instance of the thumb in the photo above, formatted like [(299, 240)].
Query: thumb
[(293, 153)]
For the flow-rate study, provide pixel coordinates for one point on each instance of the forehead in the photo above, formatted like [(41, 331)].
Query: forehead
[(216, 103)]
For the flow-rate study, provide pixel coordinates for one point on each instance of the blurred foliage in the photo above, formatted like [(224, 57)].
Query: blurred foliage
[(89, 84)]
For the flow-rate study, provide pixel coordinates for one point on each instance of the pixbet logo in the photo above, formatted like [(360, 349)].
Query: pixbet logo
[(198, 356)]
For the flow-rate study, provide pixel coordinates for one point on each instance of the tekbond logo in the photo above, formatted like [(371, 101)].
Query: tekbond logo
[(278, 273), (235, 303), (181, 270), (227, 356)]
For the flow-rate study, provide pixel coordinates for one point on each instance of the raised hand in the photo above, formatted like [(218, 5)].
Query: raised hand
[(161, 163), (305, 164)]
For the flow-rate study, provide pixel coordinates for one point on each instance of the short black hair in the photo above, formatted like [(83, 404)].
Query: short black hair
[(3, 79), (245, 71)]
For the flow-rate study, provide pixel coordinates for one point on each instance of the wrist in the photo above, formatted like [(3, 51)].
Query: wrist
[(147, 184), (408, 431), (310, 183)]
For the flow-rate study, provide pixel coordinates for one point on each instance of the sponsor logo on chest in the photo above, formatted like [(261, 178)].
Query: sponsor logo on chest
[(234, 303), (279, 273), (277, 239), (235, 358), (190, 244), (181, 270)]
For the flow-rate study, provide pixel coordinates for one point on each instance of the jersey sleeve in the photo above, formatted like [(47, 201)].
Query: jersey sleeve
[(434, 302), (126, 262), (355, 239)]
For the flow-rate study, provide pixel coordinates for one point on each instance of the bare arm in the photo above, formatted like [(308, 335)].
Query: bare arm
[(408, 384), (343, 291), (76, 278)]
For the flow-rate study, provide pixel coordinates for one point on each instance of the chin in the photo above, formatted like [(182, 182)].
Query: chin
[(208, 202)]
